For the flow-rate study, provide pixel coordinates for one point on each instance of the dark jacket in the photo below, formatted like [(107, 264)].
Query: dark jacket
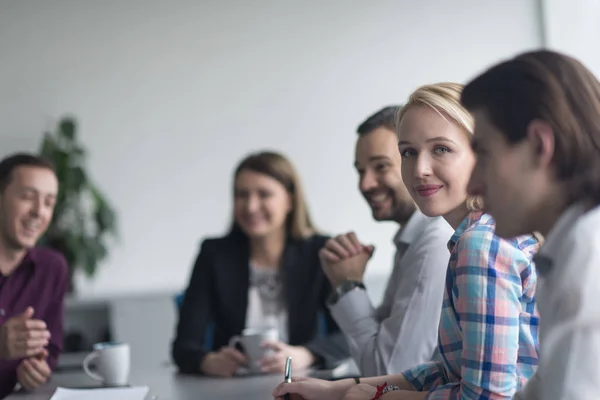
[(217, 294)]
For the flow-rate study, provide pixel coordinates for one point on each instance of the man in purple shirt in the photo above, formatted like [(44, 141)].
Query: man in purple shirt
[(32, 280)]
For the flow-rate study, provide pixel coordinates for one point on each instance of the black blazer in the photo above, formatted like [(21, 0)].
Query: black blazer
[(218, 293)]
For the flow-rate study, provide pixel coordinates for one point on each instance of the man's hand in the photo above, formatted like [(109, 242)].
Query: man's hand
[(345, 258), (33, 372), (223, 363), (275, 363), (22, 337)]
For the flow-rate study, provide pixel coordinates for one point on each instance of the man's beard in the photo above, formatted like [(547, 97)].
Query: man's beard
[(403, 210), (400, 212)]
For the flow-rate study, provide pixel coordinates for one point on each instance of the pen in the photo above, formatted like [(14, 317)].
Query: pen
[(288, 375)]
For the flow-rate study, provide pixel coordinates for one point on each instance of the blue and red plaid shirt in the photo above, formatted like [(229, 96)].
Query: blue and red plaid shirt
[(488, 333)]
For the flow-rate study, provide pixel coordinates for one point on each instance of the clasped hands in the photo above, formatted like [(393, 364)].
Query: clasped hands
[(344, 257), (227, 360), (22, 337)]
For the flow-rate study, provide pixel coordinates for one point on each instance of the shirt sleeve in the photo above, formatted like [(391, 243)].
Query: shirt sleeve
[(426, 376), (486, 295), (55, 313), (571, 349), (531, 391), (406, 336)]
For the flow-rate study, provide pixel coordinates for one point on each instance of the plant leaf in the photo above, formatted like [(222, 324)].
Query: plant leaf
[(78, 179), (48, 147), (67, 128), (78, 229)]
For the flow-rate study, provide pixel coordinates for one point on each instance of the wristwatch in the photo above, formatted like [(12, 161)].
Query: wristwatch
[(344, 288)]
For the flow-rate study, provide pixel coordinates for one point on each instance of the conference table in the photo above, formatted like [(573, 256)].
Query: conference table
[(165, 383)]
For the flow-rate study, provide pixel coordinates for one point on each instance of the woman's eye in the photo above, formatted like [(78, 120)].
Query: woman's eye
[(407, 153), (441, 150)]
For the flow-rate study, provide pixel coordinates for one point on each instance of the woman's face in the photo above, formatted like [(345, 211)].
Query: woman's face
[(437, 161), (261, 204)]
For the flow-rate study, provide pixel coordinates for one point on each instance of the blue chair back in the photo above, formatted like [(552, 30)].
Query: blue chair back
[(210, 329)]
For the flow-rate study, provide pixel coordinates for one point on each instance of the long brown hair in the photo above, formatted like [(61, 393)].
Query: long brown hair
[(299, 225)]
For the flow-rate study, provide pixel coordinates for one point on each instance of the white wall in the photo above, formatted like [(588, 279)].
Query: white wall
[(573, 27), (170, 95)]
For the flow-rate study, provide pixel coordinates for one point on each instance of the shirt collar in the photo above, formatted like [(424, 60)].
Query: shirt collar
[(469, 220), (549, 251), (28, 260), (411, 230)]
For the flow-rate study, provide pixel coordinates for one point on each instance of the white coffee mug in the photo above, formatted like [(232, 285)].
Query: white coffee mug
[(250, 341), (112, 362)]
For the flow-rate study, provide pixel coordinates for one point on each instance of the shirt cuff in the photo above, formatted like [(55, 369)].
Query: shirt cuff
[(351, 308), (426, 376)]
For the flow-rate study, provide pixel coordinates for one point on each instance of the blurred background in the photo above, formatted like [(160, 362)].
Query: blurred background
[(169, 95)]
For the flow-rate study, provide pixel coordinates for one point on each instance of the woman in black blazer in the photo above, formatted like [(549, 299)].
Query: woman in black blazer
[(266, 271)]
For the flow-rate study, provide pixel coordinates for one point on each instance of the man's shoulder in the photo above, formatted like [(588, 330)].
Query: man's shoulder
[(434, 229), (51, 260), (429, 248)]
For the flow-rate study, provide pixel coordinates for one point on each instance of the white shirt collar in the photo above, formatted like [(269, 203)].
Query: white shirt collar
[(412, 229), (550, 249)]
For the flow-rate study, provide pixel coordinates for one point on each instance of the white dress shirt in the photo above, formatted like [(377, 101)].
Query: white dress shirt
[(403, 331), (568, 299)]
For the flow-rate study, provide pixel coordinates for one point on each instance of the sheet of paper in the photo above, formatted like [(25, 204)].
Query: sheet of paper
[(129, 393)]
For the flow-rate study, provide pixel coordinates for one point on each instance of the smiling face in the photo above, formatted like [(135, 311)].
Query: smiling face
[(27, 206), (379, 167), (261, 204), (437, 161)]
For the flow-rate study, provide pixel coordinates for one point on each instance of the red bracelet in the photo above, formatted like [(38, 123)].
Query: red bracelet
[(379, 391)]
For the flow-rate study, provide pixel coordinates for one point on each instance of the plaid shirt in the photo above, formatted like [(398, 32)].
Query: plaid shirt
[(488, 334)]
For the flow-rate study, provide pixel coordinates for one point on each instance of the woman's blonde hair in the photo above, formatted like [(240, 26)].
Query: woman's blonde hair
[(444, 98), (299, 224)]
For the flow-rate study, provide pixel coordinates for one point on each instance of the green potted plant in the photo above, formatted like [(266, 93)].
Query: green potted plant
[(83, 220)]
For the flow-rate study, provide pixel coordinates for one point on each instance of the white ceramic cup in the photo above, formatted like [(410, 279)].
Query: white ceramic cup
[(250, 341), (112, 362)]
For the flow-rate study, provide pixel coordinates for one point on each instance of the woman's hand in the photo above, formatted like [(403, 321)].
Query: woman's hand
[(223, 363), (311, 389), (361, 392), (367, 392), (301, 356)]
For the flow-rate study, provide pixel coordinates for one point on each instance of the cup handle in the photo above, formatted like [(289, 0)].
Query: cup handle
[(235, 340), (86, 367)]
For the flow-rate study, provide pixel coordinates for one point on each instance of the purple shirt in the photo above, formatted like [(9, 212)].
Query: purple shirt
[(40, 281)]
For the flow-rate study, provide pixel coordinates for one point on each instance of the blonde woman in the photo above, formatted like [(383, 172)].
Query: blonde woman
[(488, 344)]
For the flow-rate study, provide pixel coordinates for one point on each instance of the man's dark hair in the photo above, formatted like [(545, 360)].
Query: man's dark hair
[(13, 161), (554, 88), (384, 118)]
